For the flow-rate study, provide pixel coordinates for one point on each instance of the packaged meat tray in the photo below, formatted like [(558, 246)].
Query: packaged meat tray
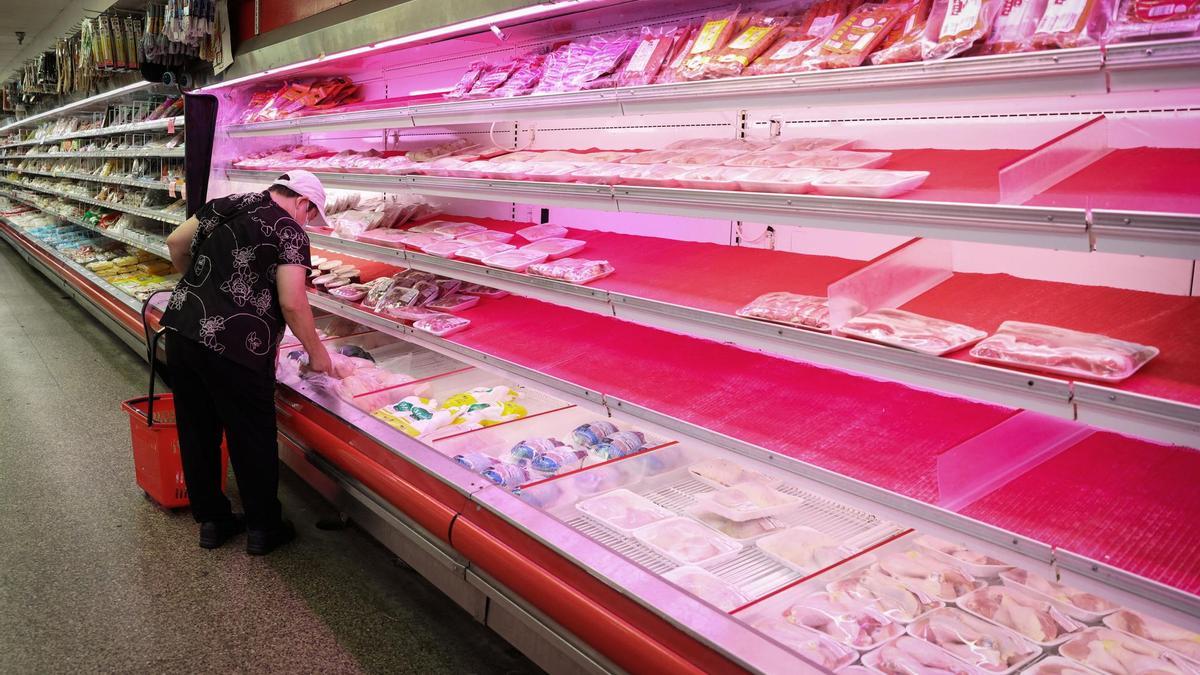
[(743, 145), (486, 236), (976, 642), (705, 157), (1115, 653), (1141, 19), (926, 575), (976, 564), (1057, 665), (856, 36), (649, 56), (713, 178), (1174, 638), (687, 542), (803, 549), (811, 144), (1063, 351), (810, 644), (652, 175), (445, 248), (573, 270), (748, 501), (710, 39), (771, 158), (743, 531), (955, 27), (442, 325), (652, 157), (458, 229), (478, 252), (722, 473), (757, 35), (554, 172), (706, 586), (427, 227), (781, 180), (844, 619), (455, 302), (603, 173), (1035, 619), (411, 313), (1073, 23), (623, 510), (350, 293), (514, 261), (907, 655), (483, 291), (873, 183), (555, 247), (898, 328), (422, 239), (840, 159), (801, 311), (543, 231)]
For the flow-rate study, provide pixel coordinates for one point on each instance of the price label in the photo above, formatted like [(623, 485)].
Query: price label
[(170, 125), (171, 187)]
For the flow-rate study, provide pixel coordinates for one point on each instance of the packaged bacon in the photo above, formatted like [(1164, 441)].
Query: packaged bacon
[(1063, 351), (1142, 19), (913, 332), (1012, 29), (649, 56), (711, 38), (903, 44), (856, 37), (1073, 23), (801, 311), (758, 35), (955, 25)]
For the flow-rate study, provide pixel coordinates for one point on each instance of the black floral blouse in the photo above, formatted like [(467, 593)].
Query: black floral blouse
[(227, 300)]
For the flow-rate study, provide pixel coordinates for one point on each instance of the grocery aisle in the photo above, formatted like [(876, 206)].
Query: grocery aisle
[(94, 577)]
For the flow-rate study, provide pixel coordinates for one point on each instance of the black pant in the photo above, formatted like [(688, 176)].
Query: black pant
[(214, 394)]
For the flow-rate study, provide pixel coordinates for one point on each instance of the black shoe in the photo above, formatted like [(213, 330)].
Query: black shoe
[(216, 532), (262, 542)]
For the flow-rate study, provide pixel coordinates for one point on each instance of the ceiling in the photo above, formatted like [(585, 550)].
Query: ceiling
[(43, 22)]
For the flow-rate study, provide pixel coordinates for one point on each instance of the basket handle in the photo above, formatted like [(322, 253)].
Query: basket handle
[(151, 353)]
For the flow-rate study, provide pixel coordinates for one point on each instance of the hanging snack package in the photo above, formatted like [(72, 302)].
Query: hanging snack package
[(1146, 19), (759, 34), (955, 25), (903, 44), (1012, 29), (1073, 23), (712, 37), (649, 56), (856, 37)]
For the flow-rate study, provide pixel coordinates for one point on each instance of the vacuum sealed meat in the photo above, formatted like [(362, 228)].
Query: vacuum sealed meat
[(907, 655), (872, 584), (679, 51), (782, 180), (856, 36), (975, 641), (840, 159), (810, 144), (706, 586), (748, 501), (1073, 23), (1115, 653), (458, 229), (710, 39), (492, 79), (442, 325), (523, 79), (648, 57), (771, 158), (653, 175), (955, 25), (844, 619), (454, 302), (913, 332), (653, 156), (556, 247), (810, 644), (590, 434), (803, 549), (705, 157), (760, 33), (1063, 351), (485, 236), (687, 542), (1012, 29), (801, 311), (788, 53), (926, 575), (723, 473), (603, 173), (478, 252), (623, 510), (1157, 631), (514, 261), (903, 44), (1155, 19), (1034, 618), (468, 79), (542, 231), (871, 183)]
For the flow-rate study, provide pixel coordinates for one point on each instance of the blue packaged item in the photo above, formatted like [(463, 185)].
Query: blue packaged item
[(549, 463), (476, 461), (587, 435), (619, 444), (532, 447), (507, 475)]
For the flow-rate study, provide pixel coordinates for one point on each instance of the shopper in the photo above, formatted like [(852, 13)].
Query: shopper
[(246, 258)]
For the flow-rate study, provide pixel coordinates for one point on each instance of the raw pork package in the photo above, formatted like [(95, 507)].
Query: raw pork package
[(810, 644), (523, 79), (653, 156), (856, 36), (652, 175), (649, 56), (711, 38), (485, 236), (542, 231), (913, 332), (706, 157), (477, 252), (389, 238), (907, 655), (844, 619), (572, 270), (1073, 23), (492, 79), (962, 635), (872, 183), (445, 248), (1012, 29), (955, 25), (514, 261), (760, 33), (687, 542), (810, 144), (770, 158), (442, 325), (802, 311), (1063, 351), (707, 586), (1146, 19)]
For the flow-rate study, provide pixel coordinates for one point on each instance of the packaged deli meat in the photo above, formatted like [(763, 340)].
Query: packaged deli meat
[(954, 26), (679, 51), (1063, 351), (1154, 19), (801, 311), (714, 33), (874, 183), (903, 44), (1012, 29), (961, 634), (1073, 23), (648, 56), (813, 25), (853, 40), (898, 328), (784, 180), (759, 34)]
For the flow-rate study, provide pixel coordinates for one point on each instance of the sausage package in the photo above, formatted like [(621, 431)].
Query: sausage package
[(1143, 19), (954, 26), (788, 53), (1073, 23), (759, 34), (857, 36), (1012, 29), (903, 44), (710, 39), (649, 56)]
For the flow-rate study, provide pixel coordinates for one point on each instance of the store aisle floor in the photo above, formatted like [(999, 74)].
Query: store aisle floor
[(93, 577)]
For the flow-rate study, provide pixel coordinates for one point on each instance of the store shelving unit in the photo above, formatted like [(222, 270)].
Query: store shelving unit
[(155, 245), (167, 125), (111, 180), (153, 214)]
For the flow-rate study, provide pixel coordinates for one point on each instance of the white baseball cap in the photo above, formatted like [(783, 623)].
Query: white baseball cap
[(307, 185)]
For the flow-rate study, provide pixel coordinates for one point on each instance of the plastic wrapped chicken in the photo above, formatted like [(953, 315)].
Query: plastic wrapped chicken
[(973, 640), (812, 645), (925, 574), (1063, 351), (1115, 653), (844, 619), (1075, 603), (687, 542), (1157, 631), (803, 549), (706, 586), (1034, 618), (910, 656), (889, 595)]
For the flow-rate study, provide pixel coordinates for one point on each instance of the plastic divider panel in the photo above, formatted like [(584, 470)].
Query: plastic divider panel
[(1053, 161), (892, 279)]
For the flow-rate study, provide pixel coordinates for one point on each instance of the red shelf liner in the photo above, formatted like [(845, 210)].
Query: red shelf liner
[(1169, 322), (1125, 502), (971, 176), (1134, 179)]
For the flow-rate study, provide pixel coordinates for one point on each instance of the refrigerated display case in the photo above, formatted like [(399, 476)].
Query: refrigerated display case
[(775, 494)]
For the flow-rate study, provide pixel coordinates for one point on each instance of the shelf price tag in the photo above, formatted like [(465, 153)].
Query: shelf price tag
[(171, 187), (170, 125)]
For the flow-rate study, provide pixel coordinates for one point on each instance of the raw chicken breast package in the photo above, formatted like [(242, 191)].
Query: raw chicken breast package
[(974, 641), (844, 619)]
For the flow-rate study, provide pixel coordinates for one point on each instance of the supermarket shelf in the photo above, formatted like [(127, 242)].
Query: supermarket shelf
[(136, 127), (154, 245), (111, 180), (153, 214), (102, 154), (1058, 73), (1142, 233)]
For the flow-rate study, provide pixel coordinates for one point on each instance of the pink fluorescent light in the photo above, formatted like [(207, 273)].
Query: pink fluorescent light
[(482, 22), (79, 104)]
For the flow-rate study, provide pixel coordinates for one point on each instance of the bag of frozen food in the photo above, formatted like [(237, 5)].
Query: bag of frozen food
[(1012, 29), (1141, 19), (648, 56), (856, 37), (1073, 23), (760, 33), (903, 44), (955, 25), (711, 38)]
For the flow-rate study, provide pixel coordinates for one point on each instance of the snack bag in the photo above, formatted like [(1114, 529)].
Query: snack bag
[(1155, 19), (955, 25), (903, 44), (649, 56), (856, 36), (1013, 27), (1073, 23), (711, 38), (758, 35)]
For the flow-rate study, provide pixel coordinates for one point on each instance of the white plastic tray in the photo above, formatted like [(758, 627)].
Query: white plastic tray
[(943, 661), (1067, 627), (1060, 595), (722, 473), (889, 595), (744, 531), (707, 586), (748, 501), (618, 508), (830, 550), (514, 261), (814, 646), (841, 613), (1026, 651), (876, 184), (555, 247), (943, 550), (669, 537), (1188, 646), (1168, 662), (542, 231)]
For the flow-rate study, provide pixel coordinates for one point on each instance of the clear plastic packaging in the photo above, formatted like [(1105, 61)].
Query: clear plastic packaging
[(1057, 665), (743, 531), (707, 586), (483, 291), (810, 144), (592, 433), (722, 473), (872, 183), (554, 172), (445, 248), (442, 325), (770, 158), (507, 475), (411, 313), (782, 180), (562, 458), (555, 247), (458, 229), (600, 173), (814, 646), (350, 293), (713, 178), (856, 36), (415, 416), (898, 328), (420, 240), (976, 564), (1063, 351), (788, 53), (478, 252), (468, 80), (903, 44), (927, 575), (954, 26), (714, 33), (759, 33), (1113, 652), (844, 619), (543, 231), (514, 261), (619, 444), (454, 302), (748, 501), (1073, 23), (649, 56), (623, 510), (803, 549), (906, 655), (573, 270), (840, 159), (976, 642), (1174, 638), (653, 156), (704, 157), (1036, 619), (687, 542), (1155, 19), (1012, 29), (801, 311), (476, 461), (1074, 603), (655, 175)]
